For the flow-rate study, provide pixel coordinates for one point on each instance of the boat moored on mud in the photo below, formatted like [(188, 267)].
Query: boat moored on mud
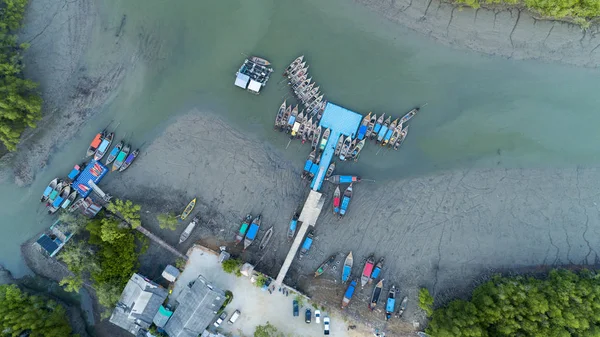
[(346, 200), (188, 230), (347, 269), (292, 228), (243, 229), (323, 267), (376, 293), (336, 200), (366, 273), (306, 245), (402, 308), (252, 231), (348, 294), (391, 303), (377, 269), (188, 209), (130, 158), (266, 238)]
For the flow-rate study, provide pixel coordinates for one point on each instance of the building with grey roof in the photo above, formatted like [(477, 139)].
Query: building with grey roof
[(197, 307), (138, 304)]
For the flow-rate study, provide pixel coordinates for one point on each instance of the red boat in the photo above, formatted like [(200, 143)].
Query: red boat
[(367, 270), (94, 145), (336, 200)]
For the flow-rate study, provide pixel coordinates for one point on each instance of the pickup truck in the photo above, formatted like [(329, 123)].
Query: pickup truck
[(326, 325)]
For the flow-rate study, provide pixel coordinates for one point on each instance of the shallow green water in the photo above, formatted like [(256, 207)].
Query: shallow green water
[(482, 111)]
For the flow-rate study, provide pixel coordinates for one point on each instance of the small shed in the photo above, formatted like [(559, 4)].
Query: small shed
[(242, 80), (162, 317), (170, 273), (254, 86)]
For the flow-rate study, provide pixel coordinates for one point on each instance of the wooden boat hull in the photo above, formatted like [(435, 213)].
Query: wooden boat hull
[(390, 303), (323, 267), (376, 293), (347, 267), (252, 232), (49, 189), (129, 160), (366, 274), (266, 238), (188, 230), (348, 294), (94, 144), (292, 227)]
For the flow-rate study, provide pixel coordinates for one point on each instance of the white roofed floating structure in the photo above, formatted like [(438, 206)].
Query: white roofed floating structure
[(241, 80), (253, 74), (254, 86)]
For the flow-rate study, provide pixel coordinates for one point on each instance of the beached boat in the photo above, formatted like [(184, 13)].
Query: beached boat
[(49, 189), (389, 133), (69, 200), (260, 61), (336, 199), (55, 192), (330, 170), (391, 303), (323, 267), (366, 273), (348, 294), (121, 158), (371, 126), (345, 148), (347, 269), (346, 200), (362, 129), (306, 245), (376, 294), (104, 145), (188, 230), (377, 126), (377, 269), (384, 129), (324, 139), (341, 179), (130, 158), (409, 115), (243, 228), (316, 137), (401, 138), (402, 308), (266, 238), (94, 144), (279, 116), (62, 196), (338, 146), (115, 152), (252, 231), (292, 228), (188, 209), (356, 150)]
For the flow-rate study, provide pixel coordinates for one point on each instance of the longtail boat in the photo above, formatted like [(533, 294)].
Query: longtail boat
[(55, 192), (243, 228), (279, 116), (391, 303), (330, 170), (348, 294), (366, 273), (323, 267), (402, 307), (324, 139), (401, 138), (340, 179), (395, 134), (389, 133), (384, 129), (266, 238), (188, 230), (94, 144), (121, 158), (62, 196), (371, 126), (362, 129), (336, 200), (338, 146), (69, 200), (103, 148), (306, 245), (49, 189), (376, 294), (377, 269), (252, 231), (286, 116), (356, 150), (260, 61), (188, 209), (115, 152), (345, 148), (294, 64), (130, 158), (377, 127), (347, 267), (409, 115), (292, 228), (316, 137), (346, 200)]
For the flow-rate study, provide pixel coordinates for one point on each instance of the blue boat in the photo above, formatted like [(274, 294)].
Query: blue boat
[(390, 133), (391, 303), (293, 225), (306, 245), (339, 179), (75, 172), (252, 231), (377, 269), (362, 130), (348, 294), (347, 268), (49, 189), (346, 200), (377, 127)]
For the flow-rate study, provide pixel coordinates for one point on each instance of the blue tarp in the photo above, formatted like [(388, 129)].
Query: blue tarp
[(388, 134), (314, 169), (307, 243), (59, 200), (377, 128), (74, 172), (292, 120), (375, 273), (346, 179), (252, 232), (81, 183), (361, 132), (345, 203), (346, 273), (293, 224), (47, 243), (391, 303), (382, 133), (350, 290), (307, 165)]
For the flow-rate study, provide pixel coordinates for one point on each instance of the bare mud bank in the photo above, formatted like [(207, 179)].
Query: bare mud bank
[(509, 32)]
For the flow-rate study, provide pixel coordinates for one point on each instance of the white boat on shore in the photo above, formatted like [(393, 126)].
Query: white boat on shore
[(188, 230)]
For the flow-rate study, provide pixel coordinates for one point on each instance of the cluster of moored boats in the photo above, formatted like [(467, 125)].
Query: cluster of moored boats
[(305, 90), (249, 230), (60, 194)]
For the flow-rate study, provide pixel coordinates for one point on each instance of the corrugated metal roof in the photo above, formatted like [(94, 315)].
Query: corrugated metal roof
[(47, 244), (162, 317)]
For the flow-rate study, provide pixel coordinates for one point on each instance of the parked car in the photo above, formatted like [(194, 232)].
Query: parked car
[(317, 316), (296, 310), (234, 317), (326, 325), (307, 316), (220, 320)]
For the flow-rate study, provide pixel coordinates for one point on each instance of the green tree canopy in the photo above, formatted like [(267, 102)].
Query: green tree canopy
[(26, 315), (426, 301), (562, 305), (127, 210), (232, 266), (168, 221), (267, 330)]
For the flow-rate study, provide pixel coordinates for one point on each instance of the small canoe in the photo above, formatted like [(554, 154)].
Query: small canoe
[(391, 303), (188, 230), (376, 294), (330, 170), (252, 231), (121, 158), (188, 209), (377, 126), (266, 238), (103, 148), (324, 139), (243, 229), (336, 200), (69, 200), (316, 137), (130, 158), (347, 267), (55, 192), (371, 126), (114, 153), (346, 200), (323, 267), (362, 129), (306, 245), (94, 144), (49, 189), (366, 273), (348, 294), (402, 308), (345, 148), (292, 228), (401, 138), (409, 115), (339, 145), (260, 61), (377, 269)]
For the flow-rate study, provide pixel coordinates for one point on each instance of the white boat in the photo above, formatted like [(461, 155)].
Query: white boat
[(188, 230)]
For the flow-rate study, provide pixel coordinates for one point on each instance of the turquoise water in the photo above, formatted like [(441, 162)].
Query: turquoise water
[(481, 111)]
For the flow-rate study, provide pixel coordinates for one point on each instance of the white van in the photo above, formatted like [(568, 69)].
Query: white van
[(234, 317)]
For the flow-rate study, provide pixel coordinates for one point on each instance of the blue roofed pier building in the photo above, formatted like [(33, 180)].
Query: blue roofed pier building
[(340, 121)]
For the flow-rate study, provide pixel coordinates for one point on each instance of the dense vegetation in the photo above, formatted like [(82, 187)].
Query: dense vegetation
[(267, 330), (20, 105), (579, 11), (26, 315), (168, 221), (563, 304), (232, 266)]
